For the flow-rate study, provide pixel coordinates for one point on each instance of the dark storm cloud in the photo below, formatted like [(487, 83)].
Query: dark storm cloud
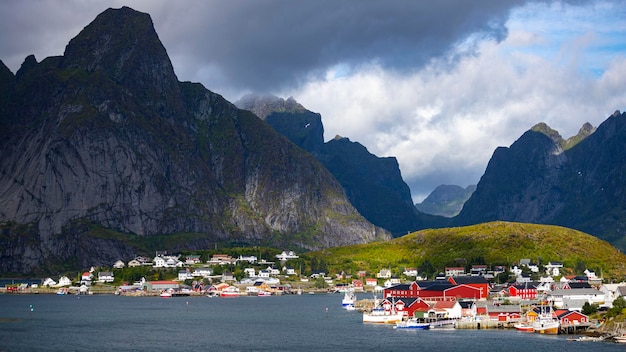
[(270, 44)]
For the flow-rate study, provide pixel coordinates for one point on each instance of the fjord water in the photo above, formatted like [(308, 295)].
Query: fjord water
[(284, 323)]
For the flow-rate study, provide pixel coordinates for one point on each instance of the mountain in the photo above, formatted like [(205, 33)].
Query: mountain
[(446, 200), (373, 184), (105, 138), (543, 178)]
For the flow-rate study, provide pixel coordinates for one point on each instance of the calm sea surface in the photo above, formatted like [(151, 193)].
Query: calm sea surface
[(287, 323)]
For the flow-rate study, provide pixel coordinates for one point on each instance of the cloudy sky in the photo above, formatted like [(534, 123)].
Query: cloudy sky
[(437, 84)]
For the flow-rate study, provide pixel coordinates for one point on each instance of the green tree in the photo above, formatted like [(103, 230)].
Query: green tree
[(426, 269), (589, 309), (320, 283)]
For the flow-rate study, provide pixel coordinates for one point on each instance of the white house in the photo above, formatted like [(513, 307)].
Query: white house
[(273, 271), (105, 276), (264, 273), (85, 278), (249, 272), (49, 282), (410, 272), (455, 271), (554, 268), (119, 265), (163, 261), (134, 263), (247, 258), (287, 270), (573, 299), (384, 274), (203, 272), (64, 281), (184, 275), (286, 255)]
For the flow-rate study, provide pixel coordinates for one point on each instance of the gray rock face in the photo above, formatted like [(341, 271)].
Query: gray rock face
[(373, 184), (106, 135)]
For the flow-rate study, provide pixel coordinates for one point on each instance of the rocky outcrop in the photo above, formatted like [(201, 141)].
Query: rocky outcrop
[(373, 184), (106, 135), (544, 179)]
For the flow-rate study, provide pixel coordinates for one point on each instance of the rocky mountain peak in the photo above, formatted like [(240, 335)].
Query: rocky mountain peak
[(554, 135), (267, 104), (123, 45)]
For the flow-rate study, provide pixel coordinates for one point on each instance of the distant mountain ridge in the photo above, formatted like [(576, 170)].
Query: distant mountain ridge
[(106, 136), (446, 200), (542, 178), (373, 184)]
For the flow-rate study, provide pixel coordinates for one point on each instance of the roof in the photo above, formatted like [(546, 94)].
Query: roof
[(469, 280), (504, 308), (444, 304), (403, 287), (579, 285), (576, 291), (439, 287), (466, 304)]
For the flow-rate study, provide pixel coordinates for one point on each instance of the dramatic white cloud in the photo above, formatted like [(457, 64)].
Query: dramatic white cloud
[(560, 64)]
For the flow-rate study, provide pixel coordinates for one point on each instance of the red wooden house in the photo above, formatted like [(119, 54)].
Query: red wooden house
[(523, 291), (571, 317), (477, 282)]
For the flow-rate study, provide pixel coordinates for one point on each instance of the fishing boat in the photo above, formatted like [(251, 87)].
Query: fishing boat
[(546, 324), (348, 300), (382, 315), (165, 294), (412, 324), (264, 293), (524, 327)]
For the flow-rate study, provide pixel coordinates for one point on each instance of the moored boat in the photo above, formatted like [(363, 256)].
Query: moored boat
[(381, 316), (412, 324), (264, 293), (348, 300), (231, 291), (165, 294), (546, 324), (525, 327), (620, 339)]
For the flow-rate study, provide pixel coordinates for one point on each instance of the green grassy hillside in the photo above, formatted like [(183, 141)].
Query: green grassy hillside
[(493, 243)]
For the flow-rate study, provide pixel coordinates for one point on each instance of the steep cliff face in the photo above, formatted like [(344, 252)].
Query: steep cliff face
[(373, 184), (107, 134), (545, 179)]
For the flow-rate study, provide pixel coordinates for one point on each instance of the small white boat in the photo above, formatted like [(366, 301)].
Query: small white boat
[(348, 300), (231, 291), (380, 316), (264, 294), (62, 291), (524, 327), (165, 294), (412, 324)]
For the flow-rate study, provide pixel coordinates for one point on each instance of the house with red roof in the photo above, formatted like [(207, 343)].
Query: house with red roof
[(571, 317)]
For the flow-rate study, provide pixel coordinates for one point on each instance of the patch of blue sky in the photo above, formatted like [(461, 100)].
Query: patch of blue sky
[(590, 35)]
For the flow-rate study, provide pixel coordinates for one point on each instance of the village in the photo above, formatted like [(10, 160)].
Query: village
[(468, 299)]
